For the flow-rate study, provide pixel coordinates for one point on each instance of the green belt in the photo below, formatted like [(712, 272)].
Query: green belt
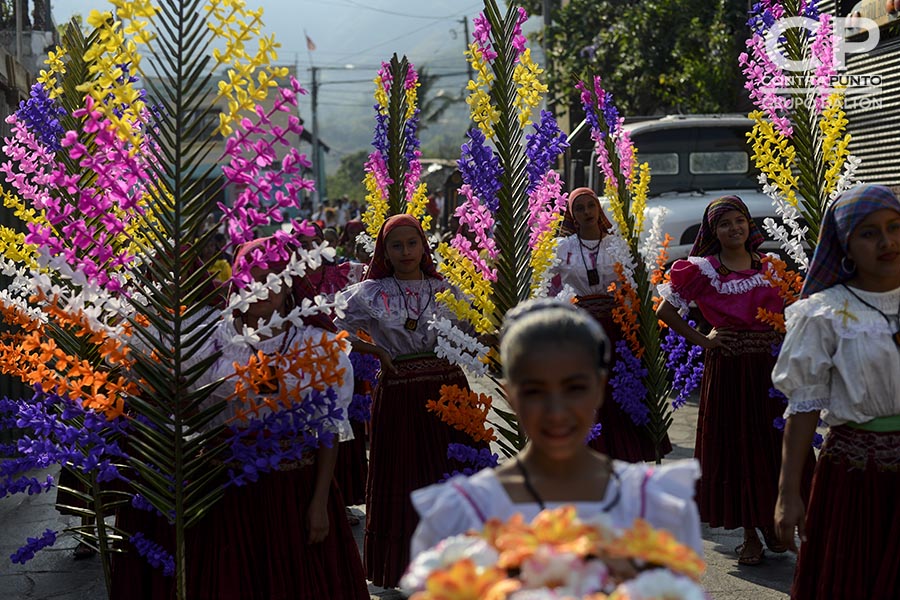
[(879, 424)]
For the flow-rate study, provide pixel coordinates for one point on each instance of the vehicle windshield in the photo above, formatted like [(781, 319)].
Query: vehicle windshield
[(696, 158)]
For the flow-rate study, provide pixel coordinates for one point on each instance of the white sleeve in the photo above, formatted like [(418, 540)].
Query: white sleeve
[(670, 501), (445, 509), (803, 370)]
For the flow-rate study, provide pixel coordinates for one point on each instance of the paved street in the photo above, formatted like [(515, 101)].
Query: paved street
[(54, 575)]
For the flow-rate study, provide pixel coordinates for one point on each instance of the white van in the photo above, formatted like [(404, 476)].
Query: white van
[(693, 160)]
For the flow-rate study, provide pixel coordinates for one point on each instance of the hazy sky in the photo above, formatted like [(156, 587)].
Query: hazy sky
[(361, 33)]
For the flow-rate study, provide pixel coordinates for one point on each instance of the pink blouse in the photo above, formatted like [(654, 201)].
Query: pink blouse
[(726, 301)]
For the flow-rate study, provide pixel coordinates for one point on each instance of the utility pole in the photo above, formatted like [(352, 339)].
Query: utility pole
[(547, 10), (317, 167), (465, 24)]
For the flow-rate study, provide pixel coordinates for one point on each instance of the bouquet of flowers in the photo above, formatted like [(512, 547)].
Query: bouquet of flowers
[(557, 556)]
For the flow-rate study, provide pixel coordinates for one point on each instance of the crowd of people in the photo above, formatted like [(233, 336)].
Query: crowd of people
[(839, 361)]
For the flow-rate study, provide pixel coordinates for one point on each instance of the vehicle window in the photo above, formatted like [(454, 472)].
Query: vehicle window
[(708, 163), (660, 163)]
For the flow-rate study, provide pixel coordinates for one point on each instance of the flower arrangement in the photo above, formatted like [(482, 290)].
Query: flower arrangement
[(393, 168), (510, 210), (111, 298), (557, 556), (641, 375), (799, 138)]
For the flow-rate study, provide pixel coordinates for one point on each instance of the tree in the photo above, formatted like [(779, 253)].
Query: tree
[(665, 56), (347, 179)]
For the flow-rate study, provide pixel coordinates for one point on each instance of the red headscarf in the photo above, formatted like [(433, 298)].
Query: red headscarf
[(301, 287), (602, 221), (379, 268)]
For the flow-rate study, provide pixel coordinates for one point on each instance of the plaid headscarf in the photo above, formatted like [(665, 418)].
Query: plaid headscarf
[(841, 218), (707, 242), (602, 220), (379, 267)]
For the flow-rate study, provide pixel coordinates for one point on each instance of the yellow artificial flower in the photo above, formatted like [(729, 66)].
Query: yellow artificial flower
[(530, 89)]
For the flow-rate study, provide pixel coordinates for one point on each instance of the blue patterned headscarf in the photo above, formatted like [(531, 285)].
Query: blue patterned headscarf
[(707, 242), (841, 218)]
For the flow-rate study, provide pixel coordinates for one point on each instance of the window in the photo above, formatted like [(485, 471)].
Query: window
[(660, 163), (708, 163)]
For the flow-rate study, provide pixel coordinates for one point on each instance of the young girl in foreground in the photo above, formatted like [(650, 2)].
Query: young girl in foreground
[(555, 360), (841, 360)]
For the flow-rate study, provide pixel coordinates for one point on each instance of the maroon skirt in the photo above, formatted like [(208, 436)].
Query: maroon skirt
[(620, 437), (737, 444), (253, 546), (352, 466), (408, 451), (853, 519)]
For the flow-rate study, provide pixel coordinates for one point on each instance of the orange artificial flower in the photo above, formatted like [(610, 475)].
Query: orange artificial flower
[(657, 547), (463, 580), (465, 410), (625, 313)]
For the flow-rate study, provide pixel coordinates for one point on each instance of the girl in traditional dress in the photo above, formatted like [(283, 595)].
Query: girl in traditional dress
[(555, 362), (408, 447), (737, 444), (840, 361), (286, 535), (586, 261)]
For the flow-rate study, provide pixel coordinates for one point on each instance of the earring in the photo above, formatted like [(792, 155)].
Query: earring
[(848, 270)]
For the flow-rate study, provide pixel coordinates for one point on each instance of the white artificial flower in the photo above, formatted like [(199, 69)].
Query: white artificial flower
[(566, 573), (446, 553), (660, 583)]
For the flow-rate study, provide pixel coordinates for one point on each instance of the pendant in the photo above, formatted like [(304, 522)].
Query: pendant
[(411, 324), (897, 338), (269, 383), (593, 277)]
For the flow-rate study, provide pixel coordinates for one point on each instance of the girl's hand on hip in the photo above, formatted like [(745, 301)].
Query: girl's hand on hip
[(317, 522), (719, 338)]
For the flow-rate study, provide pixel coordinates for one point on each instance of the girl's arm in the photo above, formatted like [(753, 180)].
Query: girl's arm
[(790, 511), (317, 515), (669, 315)]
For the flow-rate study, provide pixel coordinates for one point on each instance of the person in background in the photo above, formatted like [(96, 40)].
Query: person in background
[(737, 444), (586, 265), (841, 362), (409, 444)]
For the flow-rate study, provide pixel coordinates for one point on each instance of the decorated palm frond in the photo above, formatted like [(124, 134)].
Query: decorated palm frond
[(650, 363), (393, 168), (800, 142), (116, 174), (511, 208)]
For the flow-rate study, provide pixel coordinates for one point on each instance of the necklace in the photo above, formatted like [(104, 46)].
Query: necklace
[(540, 502), (755, 264), (592, 275), (270, 385), (412, 324), (896, 334)]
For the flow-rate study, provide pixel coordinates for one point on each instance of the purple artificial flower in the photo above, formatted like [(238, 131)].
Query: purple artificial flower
[(594, 433), (685, 362), (542, 148), (155, 554), (476, 458), (360, 408), (41, 115), (628, 386), (410, 141), (33, 545), (481, 169), (380, 137), (365, 367)]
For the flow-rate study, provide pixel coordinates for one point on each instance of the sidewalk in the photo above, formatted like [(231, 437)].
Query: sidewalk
[(54, 575)]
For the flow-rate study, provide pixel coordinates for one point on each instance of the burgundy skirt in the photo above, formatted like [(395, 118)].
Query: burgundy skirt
[(853, 519), (737, 444), (620, 437), (352, 466), (253, 546), (408, 451)]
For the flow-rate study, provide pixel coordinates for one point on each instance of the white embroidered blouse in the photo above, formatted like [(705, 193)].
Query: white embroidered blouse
[(381, 308), (222, 339), (839, 356), (663, 496), (576, 256)]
